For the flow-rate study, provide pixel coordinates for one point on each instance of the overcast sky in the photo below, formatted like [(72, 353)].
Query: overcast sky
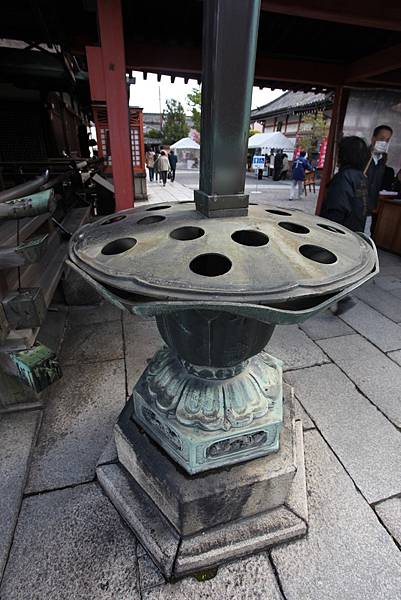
[(145, 93)]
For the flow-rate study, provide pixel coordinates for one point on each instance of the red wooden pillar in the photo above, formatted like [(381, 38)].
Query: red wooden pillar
[(335, 132), (111, 55)]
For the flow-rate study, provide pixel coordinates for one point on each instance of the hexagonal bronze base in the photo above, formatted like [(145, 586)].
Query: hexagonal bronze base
[(192, 523), (205, 417)]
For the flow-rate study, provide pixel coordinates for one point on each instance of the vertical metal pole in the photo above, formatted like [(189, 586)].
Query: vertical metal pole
[(230, 31), (113, 55)]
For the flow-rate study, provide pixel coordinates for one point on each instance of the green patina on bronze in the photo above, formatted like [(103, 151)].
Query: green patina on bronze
[(213, 396), (38, 366)]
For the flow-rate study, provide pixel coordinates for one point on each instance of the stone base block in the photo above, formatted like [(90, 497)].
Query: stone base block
[(193, 523)]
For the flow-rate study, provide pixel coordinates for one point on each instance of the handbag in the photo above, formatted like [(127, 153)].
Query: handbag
[(169, 175)]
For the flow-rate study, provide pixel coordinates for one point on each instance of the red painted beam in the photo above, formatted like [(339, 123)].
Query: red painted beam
[(365, 13), (335, 132), (94, 59), (114, 69), (375, 64)]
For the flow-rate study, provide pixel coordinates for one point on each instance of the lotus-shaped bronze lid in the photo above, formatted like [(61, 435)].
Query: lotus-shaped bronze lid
[(280, 260)]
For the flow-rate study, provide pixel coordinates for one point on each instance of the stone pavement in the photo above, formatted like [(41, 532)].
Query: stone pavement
[(60, 538), (273, 193)]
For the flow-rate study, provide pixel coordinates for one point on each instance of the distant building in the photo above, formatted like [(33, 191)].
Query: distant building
[(154, 121), (286, 113)]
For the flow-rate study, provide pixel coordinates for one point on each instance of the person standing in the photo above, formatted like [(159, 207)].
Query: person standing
[(173, 164), (278, 164), (284, 167), (299, 166), (150, 163), (163, 166), (267, 165), (156, 165), (347, 195), (376, 166)]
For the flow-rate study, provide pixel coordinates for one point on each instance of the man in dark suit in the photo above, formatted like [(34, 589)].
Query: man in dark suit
[(375, 169)]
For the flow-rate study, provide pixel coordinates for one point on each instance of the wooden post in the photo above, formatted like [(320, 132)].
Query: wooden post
[(335, 132), (113, 60)]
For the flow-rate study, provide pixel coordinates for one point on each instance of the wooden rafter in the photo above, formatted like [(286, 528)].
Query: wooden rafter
[(141, 57), (365, 13), (378, 63)]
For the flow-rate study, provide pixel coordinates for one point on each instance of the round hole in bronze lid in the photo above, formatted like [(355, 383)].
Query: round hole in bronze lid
[(318, 254), (187, 233), (210, 265), (114, 219), (150, 220), (294, 227), (330, 228), (248, 237), (118, 246), (159, 207), (278, 212)]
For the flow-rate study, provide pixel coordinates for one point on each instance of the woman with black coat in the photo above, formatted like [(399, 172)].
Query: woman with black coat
[(346, 199)]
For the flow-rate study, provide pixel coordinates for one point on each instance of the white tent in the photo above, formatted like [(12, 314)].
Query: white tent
[(271, 140), (185, 144)]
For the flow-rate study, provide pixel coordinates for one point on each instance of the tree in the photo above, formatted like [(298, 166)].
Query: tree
[(314, 129), (252, 132), (154, 134), (194, 101), (174, 124)]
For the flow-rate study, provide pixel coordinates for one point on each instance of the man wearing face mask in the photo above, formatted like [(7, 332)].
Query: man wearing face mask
[(376, 166)]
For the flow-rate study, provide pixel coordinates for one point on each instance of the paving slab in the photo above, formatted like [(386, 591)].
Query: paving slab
[(389, 512), (77, 424), (248, 579), (389, 283), (97, 313), (94, 342), (366, 443), (397, 294), (172, 192), (347, 554), (378, 329), (300, 413), (294, 348), (325, 325), (389, 263), (376, 375), (383, 301), (71, 545), (142, 340), (17, 437), (395, 356), (149, 574)]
